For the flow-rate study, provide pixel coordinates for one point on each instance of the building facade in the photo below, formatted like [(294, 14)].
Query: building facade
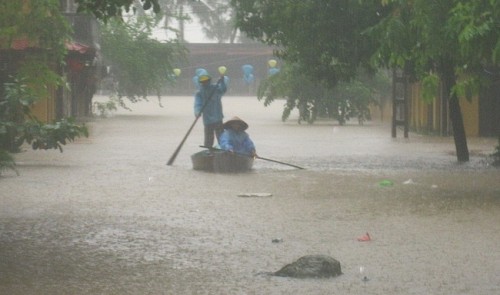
[(81, 69)]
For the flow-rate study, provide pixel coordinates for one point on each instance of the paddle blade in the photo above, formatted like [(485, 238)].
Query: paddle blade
[(174, 155), (171, 160), (178, 149)]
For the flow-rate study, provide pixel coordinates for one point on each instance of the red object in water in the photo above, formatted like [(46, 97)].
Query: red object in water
[(365, 238)]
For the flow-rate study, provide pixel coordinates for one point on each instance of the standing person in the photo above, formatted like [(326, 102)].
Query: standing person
[(208, 103), (235, 139)]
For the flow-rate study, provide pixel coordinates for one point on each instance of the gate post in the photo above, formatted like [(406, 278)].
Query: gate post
[(399, 101)]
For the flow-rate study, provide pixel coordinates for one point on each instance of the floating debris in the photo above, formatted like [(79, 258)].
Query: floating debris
[(365, 238), (255, 195), (386, 182), (362, 272), (409, 181)]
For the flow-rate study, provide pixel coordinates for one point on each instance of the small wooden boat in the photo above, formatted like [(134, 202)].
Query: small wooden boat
[(221, 162)]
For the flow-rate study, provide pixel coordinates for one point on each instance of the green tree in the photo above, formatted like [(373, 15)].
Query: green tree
[(42, 26), (140, 64), (353, 100), (451, 40), (325, 37), (18, 125), (299, 91), (314, 100)]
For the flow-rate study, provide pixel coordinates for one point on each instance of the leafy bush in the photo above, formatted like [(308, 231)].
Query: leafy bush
[(52, 136), (19, 126), (313, 99), (7, 162), (106, 107)]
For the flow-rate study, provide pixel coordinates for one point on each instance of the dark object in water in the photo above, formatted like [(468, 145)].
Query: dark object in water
[(311, 266), (255, 195), (221, 162)]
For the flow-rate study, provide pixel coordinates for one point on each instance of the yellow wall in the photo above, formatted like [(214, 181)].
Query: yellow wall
[(384, 115), (470, 111), (419, 113), (418, 109), (45, 108)]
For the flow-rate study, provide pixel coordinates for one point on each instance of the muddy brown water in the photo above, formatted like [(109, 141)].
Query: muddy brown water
[(107, 216)]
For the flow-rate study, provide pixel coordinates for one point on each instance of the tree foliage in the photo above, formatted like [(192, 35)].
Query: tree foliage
[(299, 91), (7, 162), (476, 24), (41, 26), (451, 39), (40, 22), (217, 19), (313, 99), (140, 64), (325, 43), (325, 37), (108, 9), (18, 126)]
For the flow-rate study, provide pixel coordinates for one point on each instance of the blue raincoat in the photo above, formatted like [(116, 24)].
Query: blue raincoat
[(213, 111), (236, 141)]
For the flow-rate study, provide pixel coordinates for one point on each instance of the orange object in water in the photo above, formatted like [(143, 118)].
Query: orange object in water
[(365, 238)]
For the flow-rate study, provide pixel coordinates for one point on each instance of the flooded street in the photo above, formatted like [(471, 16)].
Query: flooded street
[(108, 216)]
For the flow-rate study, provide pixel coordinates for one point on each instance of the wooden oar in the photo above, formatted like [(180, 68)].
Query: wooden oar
[(250, 156), (178, 149)]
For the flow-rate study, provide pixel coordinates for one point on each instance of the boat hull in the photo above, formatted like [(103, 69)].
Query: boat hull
[(221, 162)]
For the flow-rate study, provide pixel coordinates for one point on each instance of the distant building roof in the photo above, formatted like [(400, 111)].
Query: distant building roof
[(25, 43)]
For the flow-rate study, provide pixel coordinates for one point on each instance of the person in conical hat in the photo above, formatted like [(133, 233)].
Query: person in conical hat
[(236, 123), (208, 104), (235, 139)]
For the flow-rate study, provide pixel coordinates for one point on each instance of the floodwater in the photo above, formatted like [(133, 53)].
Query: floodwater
[(107, 216)]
